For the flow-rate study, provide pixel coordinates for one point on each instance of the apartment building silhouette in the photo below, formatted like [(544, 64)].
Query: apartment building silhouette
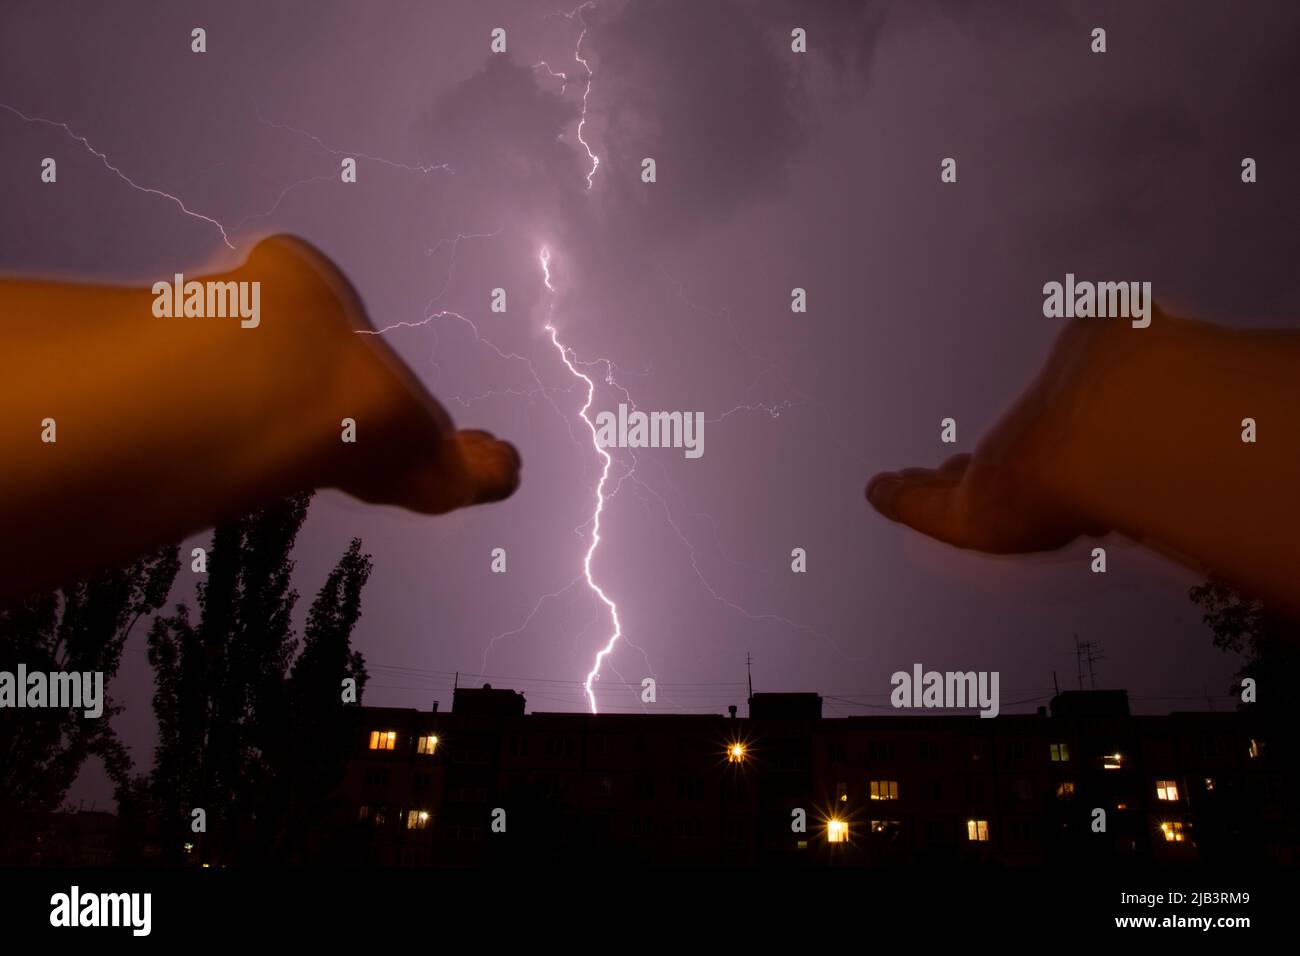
[(1082, 780)]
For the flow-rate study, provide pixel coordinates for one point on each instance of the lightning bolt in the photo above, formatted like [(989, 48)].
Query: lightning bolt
[(586, 92), (221, 227), (607, 460), (424, 168), (108, 164), (604, 493), (576, 14)]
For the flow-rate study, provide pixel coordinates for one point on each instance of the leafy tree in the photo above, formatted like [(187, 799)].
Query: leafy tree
[(82, 627), (313, 761), (1269, 643), (246, 732), (1267, 640)]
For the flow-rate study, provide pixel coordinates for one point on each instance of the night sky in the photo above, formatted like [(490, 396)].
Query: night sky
[(775, 170)]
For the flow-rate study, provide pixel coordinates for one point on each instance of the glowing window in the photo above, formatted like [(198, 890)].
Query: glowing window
[(427, 745), (1173, 831), (1065, 790), (977, 831), (842, 792), (417, 820), (383, 739), (736, 753), (1209, 783), (886, 826), (1166, 790), (1256, 748), (1060, 753), (837, 831), (884, 790), (1112, 761)]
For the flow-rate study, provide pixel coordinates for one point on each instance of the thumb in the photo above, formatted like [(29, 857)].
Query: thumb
[(492, 466), (924, 499)]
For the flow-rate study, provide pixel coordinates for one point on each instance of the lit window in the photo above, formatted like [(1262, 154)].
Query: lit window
[(1256, 748), (1173, 831), (884, 790), (837, 831), (1065, 790), (886, 826), (1209, 783), (383, 739), (364, 813), (1060, 753), (1166, 790), (1113, 761), (736, 753), (842, 791), (802, 844), (417, 819), (977, 831), (427, 745)]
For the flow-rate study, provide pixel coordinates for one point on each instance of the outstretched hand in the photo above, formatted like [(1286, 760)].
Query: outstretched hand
[(1005, 498), (125, 426)]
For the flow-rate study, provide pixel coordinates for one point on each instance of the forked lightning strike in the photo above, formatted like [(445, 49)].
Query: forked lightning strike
[(607, 460)]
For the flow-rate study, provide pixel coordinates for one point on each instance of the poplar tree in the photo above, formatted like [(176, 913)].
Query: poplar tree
[(81, 627)]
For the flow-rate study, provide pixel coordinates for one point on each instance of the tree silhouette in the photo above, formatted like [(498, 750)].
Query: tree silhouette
[(247, 733), (1270, 645), (82, 627)]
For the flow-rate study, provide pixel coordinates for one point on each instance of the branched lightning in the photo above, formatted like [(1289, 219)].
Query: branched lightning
[(103, 158), (180, 203), (564, 77), (424, 168), (607, 460), (586, 92), (583, 372), (576, 14), (526, 621)]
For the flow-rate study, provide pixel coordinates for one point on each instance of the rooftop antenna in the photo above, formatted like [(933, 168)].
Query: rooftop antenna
[(1092, 659), (749, 674), (1083, 651)]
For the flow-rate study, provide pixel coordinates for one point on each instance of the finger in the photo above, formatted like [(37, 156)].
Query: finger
[(492, 466), (923, 499)]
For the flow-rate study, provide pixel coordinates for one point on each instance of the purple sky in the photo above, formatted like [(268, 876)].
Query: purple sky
[(774, 171)]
